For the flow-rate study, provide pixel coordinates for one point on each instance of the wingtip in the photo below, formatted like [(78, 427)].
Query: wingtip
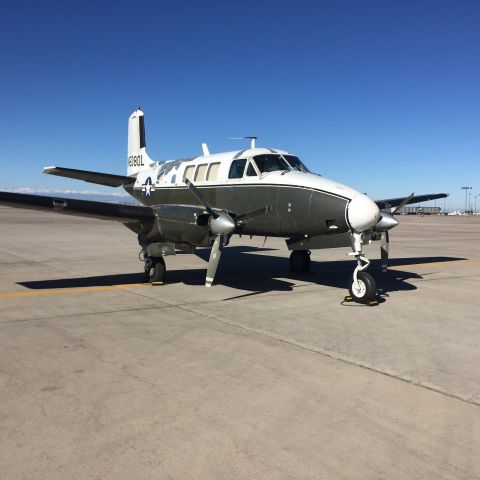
[(48, 169)]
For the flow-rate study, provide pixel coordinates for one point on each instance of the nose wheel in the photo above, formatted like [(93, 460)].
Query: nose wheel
[(361, 285), (364, 290)]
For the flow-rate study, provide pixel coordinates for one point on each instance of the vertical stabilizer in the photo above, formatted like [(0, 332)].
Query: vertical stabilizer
[(138, 158)]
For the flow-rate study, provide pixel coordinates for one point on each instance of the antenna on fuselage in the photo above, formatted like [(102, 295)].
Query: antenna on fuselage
[(206, 151), (253, 143)]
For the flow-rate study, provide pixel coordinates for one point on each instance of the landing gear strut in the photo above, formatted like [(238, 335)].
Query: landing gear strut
[(361, 286), (300, 261)]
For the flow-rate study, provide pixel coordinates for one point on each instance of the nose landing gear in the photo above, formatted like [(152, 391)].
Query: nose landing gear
[(361, 286)]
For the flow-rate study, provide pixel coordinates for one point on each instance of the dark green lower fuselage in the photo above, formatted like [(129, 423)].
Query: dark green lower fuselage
[(293, 211)]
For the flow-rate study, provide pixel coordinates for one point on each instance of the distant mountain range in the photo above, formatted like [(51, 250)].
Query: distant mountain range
[(114, 197)]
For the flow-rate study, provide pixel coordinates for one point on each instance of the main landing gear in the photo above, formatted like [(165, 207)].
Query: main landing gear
[(300, 261), (152, 257), (155, 270), (361, 286)]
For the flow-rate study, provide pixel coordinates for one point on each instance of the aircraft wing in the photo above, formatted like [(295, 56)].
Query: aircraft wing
[(82, 208), (394, 202), (91, 177)]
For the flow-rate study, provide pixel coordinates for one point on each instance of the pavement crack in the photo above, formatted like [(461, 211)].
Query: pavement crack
[(331, 355)]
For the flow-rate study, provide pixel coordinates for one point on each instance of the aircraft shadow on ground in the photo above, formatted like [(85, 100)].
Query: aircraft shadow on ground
[(259, 273)]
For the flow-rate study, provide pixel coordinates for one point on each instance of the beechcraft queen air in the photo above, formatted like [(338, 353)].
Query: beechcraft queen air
[(202, 201)]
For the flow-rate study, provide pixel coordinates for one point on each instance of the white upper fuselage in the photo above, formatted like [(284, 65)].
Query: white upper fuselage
[(171, 174)]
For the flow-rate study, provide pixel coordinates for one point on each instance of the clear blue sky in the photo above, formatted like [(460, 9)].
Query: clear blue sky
[(381, 95)]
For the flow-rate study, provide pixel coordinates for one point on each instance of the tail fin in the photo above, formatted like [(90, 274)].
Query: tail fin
[(138, 158)]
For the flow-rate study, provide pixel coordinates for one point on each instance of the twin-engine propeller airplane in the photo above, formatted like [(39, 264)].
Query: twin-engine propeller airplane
[(202, 201)]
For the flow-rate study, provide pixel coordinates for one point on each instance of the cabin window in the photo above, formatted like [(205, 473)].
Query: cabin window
[(200, 173), (161, 176), (189, 172), (251, 172), (212, 172), (270, 163), (295, 163), (236, 168)]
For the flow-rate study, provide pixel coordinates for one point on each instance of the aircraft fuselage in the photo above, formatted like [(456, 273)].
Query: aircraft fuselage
[(298, 203)]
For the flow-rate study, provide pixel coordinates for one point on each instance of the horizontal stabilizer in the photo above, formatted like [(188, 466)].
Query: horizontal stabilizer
[(395, 202), (92, 177), (83, 208)]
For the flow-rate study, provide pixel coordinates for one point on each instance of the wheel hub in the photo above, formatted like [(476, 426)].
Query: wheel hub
[(360, 289)]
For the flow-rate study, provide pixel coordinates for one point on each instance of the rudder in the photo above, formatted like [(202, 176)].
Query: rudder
[(138, 158)]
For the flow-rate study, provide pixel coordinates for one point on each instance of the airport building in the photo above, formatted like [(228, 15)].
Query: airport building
[(419, 210)]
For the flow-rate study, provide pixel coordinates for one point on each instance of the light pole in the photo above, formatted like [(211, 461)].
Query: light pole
[(466, 195), (476, 203)]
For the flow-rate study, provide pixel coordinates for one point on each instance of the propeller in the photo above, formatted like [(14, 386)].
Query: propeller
[(214, 260), (198, 194), (386, 222), (405, 201), (221, 225), (384, 244), (241, 219)]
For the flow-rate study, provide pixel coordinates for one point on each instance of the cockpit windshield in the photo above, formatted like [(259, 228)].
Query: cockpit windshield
[(270, 163), (295, 163), (274, 163)]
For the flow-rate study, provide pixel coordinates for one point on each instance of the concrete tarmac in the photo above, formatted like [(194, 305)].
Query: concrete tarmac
[(266, 375)]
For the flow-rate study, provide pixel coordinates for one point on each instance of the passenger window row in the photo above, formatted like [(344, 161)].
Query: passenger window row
[(203, 172), (239, 168)]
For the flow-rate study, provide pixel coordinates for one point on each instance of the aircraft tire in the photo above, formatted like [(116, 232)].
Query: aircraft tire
[(300, 261), (367, 291), (157, 271)]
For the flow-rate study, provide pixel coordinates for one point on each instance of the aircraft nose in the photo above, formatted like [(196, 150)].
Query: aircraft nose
[(362, 213)]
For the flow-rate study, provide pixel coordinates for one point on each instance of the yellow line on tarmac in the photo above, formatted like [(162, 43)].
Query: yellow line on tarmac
[(72, 290), (107, 288)]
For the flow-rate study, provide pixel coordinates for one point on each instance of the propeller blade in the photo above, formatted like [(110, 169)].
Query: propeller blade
[(199, 196), (214, 259), (247, 216), (405, 201), (384, 245), (221, 224)]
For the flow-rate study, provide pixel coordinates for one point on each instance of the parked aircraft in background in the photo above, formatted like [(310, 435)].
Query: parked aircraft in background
[(203, 200)]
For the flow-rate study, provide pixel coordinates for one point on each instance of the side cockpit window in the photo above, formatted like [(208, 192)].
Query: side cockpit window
[(271, 163), (236, 168), (296, 164)]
